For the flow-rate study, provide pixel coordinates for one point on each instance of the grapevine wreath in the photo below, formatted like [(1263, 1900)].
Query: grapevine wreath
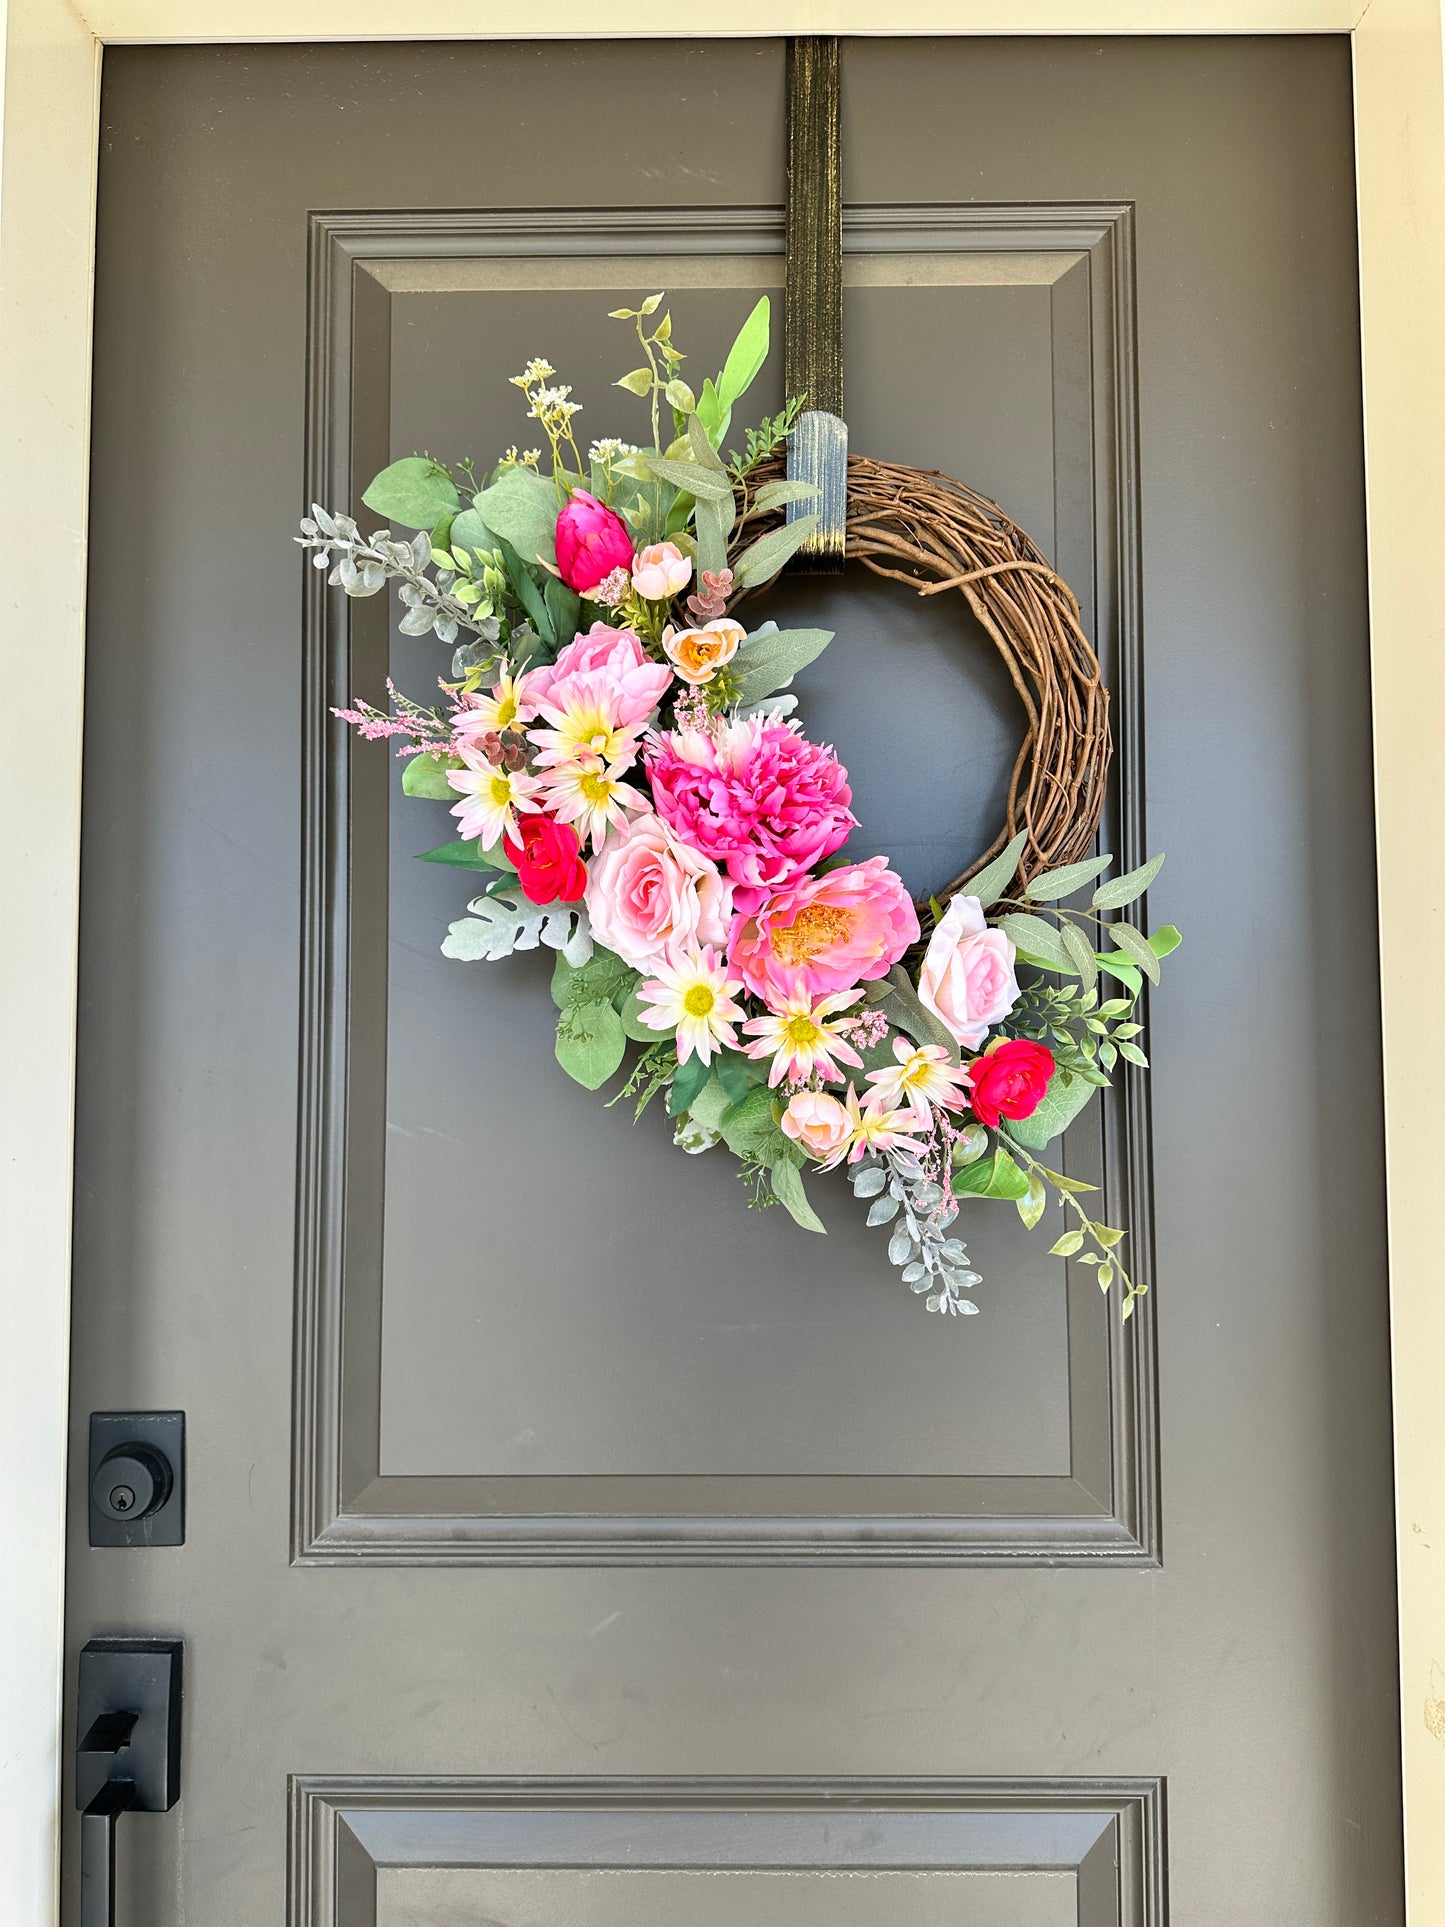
[(632, 791)]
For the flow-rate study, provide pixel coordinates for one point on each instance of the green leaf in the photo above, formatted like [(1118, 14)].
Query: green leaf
[(702, 482), (591, 1043), (747, 355), (763, 560), (1137, 949), (467, 854), (703, 452), (521, 508), (712, 414), (630, 1011), (1031, 1208), (992, 1177), (1062, 882), (1037, 941), (1081, 953), (749, 1126), (772, 495), (686, 1084), (1166, 941), (738, 1074), (764, 664), (1108, 1236), (415, 492), (1133, 1055), (994, 878), (1119, 891), (1060, 1104), (678, 395), (1118, 965), (528, 594), (639, 382), (970, 1144), (603, 979), (564, 608), (912, 1016), (423, 775), (469, 532), (1066, 1246), (788, 1190), (712, 542)]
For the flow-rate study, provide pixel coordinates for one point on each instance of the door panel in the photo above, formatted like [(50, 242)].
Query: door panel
[(454, 1470)]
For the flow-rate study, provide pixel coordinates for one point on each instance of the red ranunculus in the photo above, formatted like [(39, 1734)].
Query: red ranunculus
[(548, 859), (1010, 1081), (591, 542)]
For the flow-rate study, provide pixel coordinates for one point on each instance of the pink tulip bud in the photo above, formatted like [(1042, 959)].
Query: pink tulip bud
[(591, 542)]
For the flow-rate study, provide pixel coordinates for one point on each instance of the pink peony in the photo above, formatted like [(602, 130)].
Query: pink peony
[(967, 979), (825, 933), (757, 797), (591, 542), (614, 653), (817, 1121), (645, 891)]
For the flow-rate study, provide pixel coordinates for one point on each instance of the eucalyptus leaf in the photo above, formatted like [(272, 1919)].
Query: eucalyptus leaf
[(709, 1104), (1038, 941), (1053, 884), (703, 452), (591, 1042), (766, 557), (1137, 948), (788, 1190), (1119, 891), (702, 482), (767, 663), (994, 878), (468, 531), (772, 495), (1060, 1104), (423, 775), (747, 1127), (884, 1210), (521, 508), (415, 492), (712, 542), (910, 1015), (1081, 954)]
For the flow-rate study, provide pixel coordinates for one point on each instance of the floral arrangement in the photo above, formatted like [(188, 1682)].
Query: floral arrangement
[(620, 753)]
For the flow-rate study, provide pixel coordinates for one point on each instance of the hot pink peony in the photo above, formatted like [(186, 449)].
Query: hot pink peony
[(591, 542), (646, 891), (756, 797), (615, 653), (825, 933)]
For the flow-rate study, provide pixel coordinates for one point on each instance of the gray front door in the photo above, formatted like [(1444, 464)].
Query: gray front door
[(564, 1543)]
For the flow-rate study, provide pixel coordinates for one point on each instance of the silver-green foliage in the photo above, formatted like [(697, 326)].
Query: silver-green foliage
[(362, 567), (918, 1211), (504, 921)]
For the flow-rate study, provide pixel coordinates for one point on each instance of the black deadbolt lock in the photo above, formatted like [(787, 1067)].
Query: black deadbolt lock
[(137, 1472)]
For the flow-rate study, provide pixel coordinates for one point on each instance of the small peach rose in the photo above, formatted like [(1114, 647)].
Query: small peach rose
[(661, 571), (816, 1121), (696, 653)]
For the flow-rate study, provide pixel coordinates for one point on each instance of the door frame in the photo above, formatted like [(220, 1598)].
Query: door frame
[(50, 58)]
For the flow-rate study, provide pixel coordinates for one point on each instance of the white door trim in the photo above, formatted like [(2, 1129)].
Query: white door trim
[(49, 73)]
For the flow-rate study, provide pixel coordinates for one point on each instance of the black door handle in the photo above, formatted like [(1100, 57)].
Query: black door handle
[(127, 1754)]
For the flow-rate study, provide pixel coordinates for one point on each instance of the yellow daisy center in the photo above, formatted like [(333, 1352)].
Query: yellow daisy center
[(800, 1031), (501, 790), (506, 712), (699, 1000), (817, 926), (595, 787)]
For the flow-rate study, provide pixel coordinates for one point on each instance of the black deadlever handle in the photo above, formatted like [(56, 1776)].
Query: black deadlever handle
[(127, 1752)]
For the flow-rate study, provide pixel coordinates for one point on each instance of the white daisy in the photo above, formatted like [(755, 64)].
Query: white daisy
[(692, 994), (491, 797)]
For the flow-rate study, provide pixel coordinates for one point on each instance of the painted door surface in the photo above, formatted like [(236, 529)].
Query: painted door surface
[(565, 1543)]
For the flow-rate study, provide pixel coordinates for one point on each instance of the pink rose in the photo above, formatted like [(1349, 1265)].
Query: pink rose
[(646, 891), (821, 934), (816, 1121), (661, 571), (591, 542), (609, 652), (967, 979)]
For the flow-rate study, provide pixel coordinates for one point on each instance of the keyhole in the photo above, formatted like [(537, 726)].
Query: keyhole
[(122, 1498)]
